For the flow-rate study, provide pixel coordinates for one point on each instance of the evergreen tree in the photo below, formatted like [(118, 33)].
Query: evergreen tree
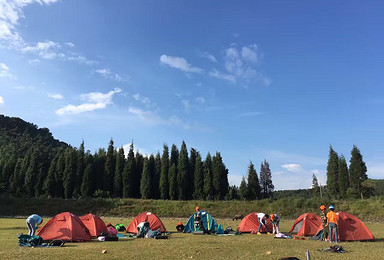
[(164, 183), (208, 185), (70, 169), (191, 173), (315, 185), (253, 183), (357, 172), (59, 175), (332, 173), (174, 155), (233, 193), (156, 177), (87, 184), (147, 178), (198, 193), (31, 175), (220, 180), (267, 186), (80, 170), (173, 189), (243, 190), (137, 177), (50, 181), (99, 166), (182, 167), (343, 177), (118, 180), (129, 175), (18, 179), (110, 167)]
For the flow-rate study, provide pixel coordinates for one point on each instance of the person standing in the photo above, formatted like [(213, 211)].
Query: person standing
[(33, 222), (332, 221), (262, 222), (275, 220), (323, 217)]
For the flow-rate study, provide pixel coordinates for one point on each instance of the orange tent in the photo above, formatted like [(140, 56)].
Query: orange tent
[(95, 224), (154, 222), (65, 226), (250, 223), (306, 225), (350, 228)]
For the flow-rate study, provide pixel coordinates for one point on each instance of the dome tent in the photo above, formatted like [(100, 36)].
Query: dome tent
[(250, 223), (154, 222), (351, 228), (209, 222), (95, 224), (65, 226), (306, 224)]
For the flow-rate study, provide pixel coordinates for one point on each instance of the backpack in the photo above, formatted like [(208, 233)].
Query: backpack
[(29, 241)]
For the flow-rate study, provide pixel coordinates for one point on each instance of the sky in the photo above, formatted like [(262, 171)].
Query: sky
[(254, 80)]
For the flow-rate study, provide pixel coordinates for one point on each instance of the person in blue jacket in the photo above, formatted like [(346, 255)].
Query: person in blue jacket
[(33, 222)]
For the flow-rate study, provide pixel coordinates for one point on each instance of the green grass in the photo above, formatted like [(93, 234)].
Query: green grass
[(188, 246)]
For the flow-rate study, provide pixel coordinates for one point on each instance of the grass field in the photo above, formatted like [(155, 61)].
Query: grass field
[(188, 246)]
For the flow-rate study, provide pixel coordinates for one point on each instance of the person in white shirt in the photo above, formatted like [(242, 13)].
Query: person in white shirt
[(262, 222)]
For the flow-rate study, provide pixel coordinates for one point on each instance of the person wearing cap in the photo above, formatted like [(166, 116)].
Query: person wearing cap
[(323, 217), (275, 220), (262, 222), (332, 222), (180, 227), (33, 222)]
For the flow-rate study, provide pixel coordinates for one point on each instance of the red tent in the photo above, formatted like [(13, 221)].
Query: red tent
[(350, 228), (306, 225), (95, 224), (250, 223), (154, 222), (65, 226)]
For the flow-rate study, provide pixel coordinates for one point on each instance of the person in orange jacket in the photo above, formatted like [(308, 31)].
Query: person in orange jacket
[(332, 222)]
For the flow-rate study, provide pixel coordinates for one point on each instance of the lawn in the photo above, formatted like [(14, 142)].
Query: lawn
[(188, 246)]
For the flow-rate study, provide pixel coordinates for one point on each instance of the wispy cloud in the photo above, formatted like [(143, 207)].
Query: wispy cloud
[(216, 74), (70, 44), (34, 61), (179, 63), (209, 57), (55, 96), (82, 60), (145, 100), (250, 114), (93, 101), (46, 50), (1, 100), (200, 100), (106, 73), (5, 71)]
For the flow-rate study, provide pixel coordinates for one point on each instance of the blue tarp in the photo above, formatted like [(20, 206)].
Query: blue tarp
[(209, 222)]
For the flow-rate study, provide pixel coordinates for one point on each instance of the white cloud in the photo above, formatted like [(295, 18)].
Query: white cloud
[(1, 100), (200, 100), (250, 53), (209, 57), (216, 74), (106, 73), (55, 96), (34, 61), (82, 60), (186, 104), (94, 101), (375, 169), (292, 167), (46, 50), (70, 44), (179, 63), (145, 100), (4, 71)]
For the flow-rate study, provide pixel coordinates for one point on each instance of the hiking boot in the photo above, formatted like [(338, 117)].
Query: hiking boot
[(258, 233), (269, 233)]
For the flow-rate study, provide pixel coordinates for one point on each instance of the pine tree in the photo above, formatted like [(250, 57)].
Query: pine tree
[(110, 167), (31, 175), (59, 175), (182, 167), (70, 169), (173, 189), (191, 173), (118, 179), (343, 177), (137, 177), (164, 182), (198, 193), (208, 185), (357, 172), (156, 177), (315, 185), (80, 169), (87, 184), (267, 186), (129, 175), (147, 178), (253, 183), (220, 180), (233, 193), (332, 173), (50, 181), (243, 190)]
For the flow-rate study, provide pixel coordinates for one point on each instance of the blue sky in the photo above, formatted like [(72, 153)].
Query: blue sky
[(254, 80)]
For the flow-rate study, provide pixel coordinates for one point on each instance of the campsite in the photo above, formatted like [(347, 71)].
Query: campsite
[(189, 246)]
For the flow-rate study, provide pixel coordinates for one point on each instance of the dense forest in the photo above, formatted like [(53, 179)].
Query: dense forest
[(34, 164)]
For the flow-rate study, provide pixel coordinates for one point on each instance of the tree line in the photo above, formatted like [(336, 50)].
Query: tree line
[(346, 182)]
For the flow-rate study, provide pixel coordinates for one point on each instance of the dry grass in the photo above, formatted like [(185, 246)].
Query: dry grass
[(188, 246)]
